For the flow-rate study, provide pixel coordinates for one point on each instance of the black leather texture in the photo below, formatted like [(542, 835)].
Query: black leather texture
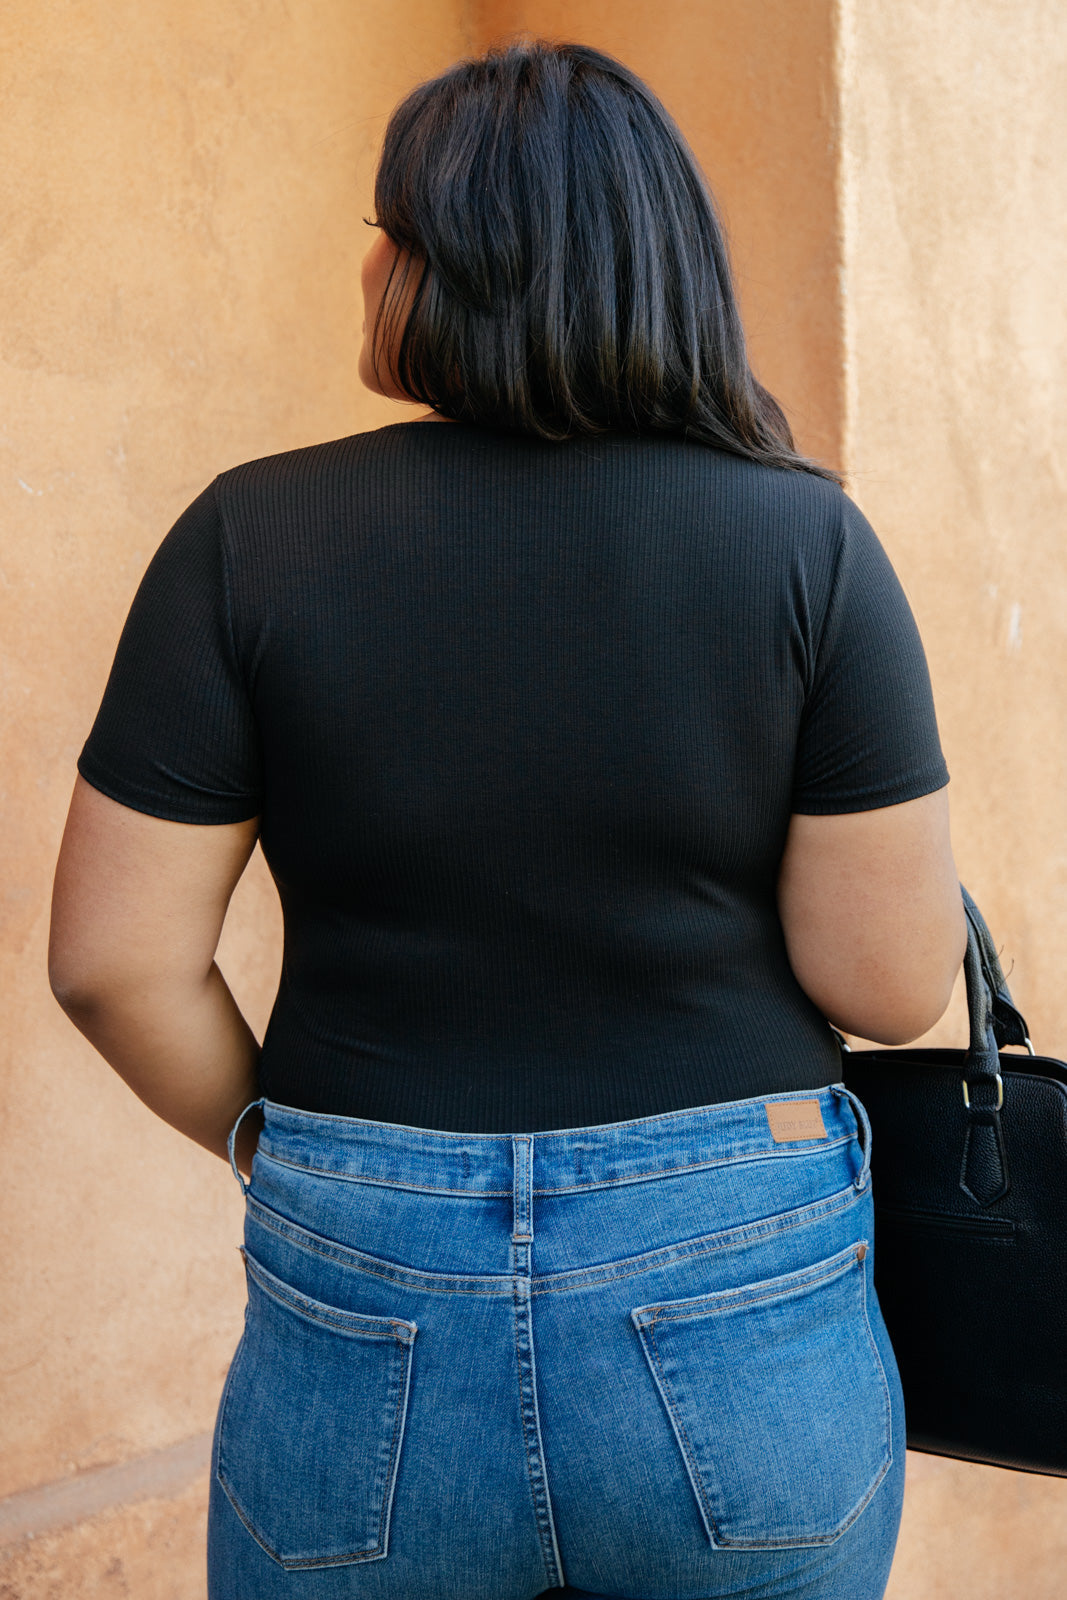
[(970, 1250)]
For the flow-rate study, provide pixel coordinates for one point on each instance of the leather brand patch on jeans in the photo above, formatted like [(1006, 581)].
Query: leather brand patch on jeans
[(794, 1119)]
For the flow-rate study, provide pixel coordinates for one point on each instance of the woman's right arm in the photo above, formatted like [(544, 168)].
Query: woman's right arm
[(873, 918)]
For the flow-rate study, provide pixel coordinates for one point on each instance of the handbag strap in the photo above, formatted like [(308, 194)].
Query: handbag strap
[(1009, 1025), (994, 1021)]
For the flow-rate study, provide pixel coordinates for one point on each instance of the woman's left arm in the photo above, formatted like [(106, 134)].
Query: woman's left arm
[(137, 910)]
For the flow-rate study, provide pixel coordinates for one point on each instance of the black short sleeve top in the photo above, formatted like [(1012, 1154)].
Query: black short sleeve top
[(524, 724)]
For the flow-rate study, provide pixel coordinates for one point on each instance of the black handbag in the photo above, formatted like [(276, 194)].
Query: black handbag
[(969, 1178)]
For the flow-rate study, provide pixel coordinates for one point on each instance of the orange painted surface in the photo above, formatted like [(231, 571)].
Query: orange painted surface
[(181, 292), (954, 127), (181, 287)]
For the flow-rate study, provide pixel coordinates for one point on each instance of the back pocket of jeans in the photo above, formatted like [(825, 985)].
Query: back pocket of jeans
[(311, 1425), (778, 1400)]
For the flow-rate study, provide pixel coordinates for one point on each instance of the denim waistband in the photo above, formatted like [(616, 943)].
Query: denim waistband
[(560, 1159)]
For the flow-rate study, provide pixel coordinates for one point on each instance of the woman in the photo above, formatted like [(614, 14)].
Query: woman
[(589, 739)]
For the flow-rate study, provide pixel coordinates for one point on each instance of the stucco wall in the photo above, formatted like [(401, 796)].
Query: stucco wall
[(181, 292), (953, 124), (954, 132)]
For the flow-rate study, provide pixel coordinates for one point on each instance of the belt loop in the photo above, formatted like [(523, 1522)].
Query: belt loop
[(864, 1129), (522, 1187), (230, 1142)]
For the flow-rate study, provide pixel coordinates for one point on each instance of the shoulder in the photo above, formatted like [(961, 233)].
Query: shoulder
[(786, 494), (304, 467), (792, 511), (778, 519)]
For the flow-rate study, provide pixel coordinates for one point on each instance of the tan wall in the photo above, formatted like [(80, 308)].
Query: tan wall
[(181, 292), (954, 129), (954, 189)]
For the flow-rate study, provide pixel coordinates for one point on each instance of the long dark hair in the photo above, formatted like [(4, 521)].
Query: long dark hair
[(567, 271)]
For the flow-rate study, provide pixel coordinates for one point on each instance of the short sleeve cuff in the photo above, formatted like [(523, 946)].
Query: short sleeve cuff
[(872, 797), (197, 806)]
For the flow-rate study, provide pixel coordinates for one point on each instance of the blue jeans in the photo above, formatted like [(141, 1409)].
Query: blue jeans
[(639, 1360)]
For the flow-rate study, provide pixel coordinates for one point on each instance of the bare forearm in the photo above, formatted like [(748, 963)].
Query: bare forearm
[(183, 1048)]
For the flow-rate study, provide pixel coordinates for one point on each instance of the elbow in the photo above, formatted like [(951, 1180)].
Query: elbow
[(891, 991), (95, 986), (922, 1019), (73, 991), (78, 984), (901, 1027), (889, 1015)]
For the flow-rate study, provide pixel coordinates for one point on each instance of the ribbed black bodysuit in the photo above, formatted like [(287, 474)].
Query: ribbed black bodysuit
[(524, 723)]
